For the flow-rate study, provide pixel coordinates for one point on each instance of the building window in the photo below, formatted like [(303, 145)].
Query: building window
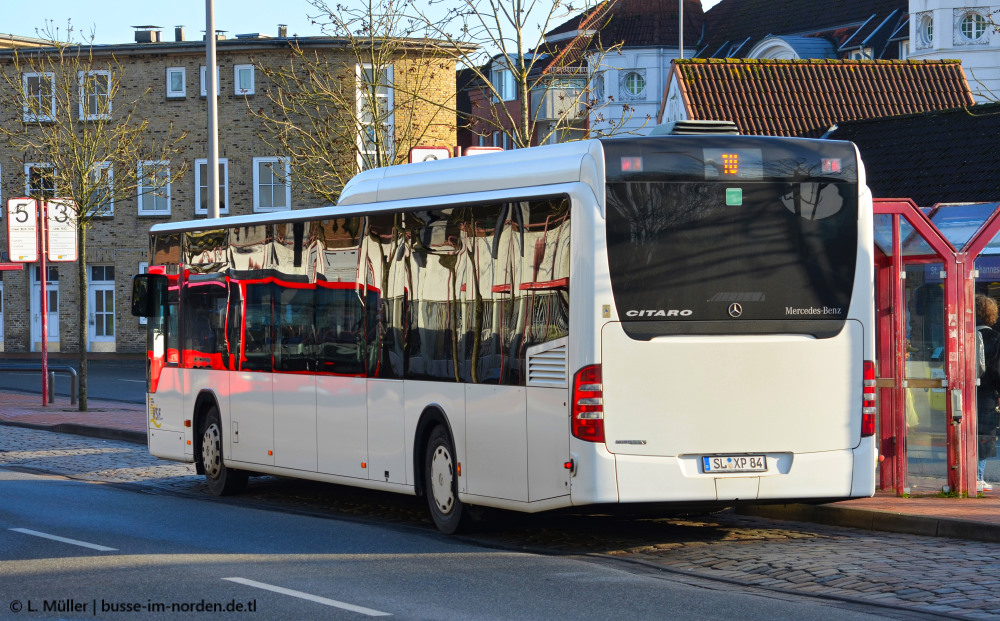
[(375, 116), (176, 82), (102, 194), (503, 84), (272, 188), (201, 186), (972, 26), (154, 188), (243, 77), (904, 50), (95, 95), (39, 96), (925, 31), (502, 140), (204, 81), (634, 84), (597, 87), (39, 180)]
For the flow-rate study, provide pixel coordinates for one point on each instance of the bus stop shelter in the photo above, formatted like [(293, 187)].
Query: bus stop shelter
[(929, 265)]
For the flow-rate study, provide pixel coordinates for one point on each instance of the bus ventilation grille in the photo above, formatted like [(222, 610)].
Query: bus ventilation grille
[(548, 367), (695, 128)]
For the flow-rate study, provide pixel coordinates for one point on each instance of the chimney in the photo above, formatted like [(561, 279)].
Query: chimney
[(283, 31), (147, 34), (178, 33)]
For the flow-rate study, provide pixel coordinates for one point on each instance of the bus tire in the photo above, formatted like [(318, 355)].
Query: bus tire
[(221, 480), (441, 482)]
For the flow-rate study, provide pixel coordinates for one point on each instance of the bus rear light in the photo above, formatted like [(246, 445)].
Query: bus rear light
[(868, 408), (588, 404)]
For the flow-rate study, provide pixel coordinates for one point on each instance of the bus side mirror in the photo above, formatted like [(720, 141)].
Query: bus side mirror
[(149, 292)]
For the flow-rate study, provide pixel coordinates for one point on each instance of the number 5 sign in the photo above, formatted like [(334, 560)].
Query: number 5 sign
[(22, 229)]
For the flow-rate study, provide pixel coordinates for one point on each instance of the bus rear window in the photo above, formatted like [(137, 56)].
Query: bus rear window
[(732, 257)]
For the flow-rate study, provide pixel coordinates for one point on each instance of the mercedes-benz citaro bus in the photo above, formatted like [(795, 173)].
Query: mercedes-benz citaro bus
[(668, 319)]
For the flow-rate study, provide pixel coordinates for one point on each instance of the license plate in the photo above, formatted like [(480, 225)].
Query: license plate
[(734, 463)]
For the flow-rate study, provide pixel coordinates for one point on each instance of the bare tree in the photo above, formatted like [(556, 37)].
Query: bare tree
[(510, 60), (75, 131), (361, 100)]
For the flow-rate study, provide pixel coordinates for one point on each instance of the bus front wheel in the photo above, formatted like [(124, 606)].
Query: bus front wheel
[(221, 479), (441, 483)]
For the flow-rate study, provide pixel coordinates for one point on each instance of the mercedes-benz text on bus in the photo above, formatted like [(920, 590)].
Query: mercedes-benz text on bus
[(669, 319)]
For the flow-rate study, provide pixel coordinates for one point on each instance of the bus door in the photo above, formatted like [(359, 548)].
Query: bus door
[(918, 301)]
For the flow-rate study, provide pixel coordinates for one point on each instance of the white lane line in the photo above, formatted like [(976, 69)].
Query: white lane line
[(82, 544), (127, 380), (312, 598)]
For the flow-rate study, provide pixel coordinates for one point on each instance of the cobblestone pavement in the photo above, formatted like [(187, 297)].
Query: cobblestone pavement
[(947, 577)]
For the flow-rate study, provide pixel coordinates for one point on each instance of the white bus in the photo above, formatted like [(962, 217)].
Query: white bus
[(669, 319)]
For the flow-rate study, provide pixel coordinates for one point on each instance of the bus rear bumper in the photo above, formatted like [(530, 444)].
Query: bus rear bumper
[(847, 473)]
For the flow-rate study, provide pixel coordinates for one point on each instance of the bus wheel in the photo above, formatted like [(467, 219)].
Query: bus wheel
[(441, 482), (221, 479)]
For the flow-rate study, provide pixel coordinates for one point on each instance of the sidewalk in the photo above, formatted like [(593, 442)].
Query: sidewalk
[(962, 518)]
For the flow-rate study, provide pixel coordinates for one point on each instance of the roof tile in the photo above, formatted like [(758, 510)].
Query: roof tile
[(806, 98)]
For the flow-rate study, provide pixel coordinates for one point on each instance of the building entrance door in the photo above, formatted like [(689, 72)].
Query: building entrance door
[(52, 289)]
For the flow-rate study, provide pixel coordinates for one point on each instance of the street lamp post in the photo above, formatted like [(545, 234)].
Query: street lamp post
[(211, 86)]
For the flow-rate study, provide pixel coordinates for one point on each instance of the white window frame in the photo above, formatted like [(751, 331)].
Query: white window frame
[(389, 96), (174, 93), (503, 85), (967, 23), (109, 211), (143, 269), (27, 178), (146, 193), (85, 95), (204, 78), (640, 80), (28, 116), (199, 183), (236, 80), (276, 162)]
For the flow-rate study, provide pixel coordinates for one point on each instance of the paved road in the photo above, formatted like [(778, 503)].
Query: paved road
[(902, 576), (100, 550), (114, 380)]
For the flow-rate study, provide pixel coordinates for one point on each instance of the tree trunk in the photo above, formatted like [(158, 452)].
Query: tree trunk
[(81, 278)]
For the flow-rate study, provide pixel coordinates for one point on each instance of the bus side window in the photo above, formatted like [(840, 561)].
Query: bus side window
[(339, 331), (257, 331)]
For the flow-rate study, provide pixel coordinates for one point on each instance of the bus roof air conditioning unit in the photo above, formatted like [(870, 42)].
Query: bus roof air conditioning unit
[(695, 128)]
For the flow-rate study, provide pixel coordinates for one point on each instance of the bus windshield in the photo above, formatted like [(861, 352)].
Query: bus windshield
[(759, 249)]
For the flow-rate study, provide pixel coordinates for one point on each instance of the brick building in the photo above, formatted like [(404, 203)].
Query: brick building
[(171, 74)]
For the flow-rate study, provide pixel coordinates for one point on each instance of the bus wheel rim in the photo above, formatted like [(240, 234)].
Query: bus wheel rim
[(442, 475), (210, 449)]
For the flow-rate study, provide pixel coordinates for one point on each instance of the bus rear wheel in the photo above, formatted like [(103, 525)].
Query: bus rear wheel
[(221, 480), (441, 483)]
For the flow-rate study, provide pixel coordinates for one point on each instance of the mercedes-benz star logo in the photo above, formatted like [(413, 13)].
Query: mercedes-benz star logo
[(735, 310)]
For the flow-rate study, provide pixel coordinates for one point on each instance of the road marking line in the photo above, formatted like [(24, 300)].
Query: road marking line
[(128, 380), (313, 598), (82, 544)]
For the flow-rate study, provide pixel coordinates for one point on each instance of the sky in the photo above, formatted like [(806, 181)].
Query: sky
[(112, 20)]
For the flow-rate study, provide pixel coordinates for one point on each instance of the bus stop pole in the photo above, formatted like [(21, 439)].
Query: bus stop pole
[(43, 295)]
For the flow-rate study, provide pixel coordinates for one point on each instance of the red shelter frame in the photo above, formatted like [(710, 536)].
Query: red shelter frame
[(960, 318)]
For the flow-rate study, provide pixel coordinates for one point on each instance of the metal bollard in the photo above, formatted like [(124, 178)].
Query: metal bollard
[(52, 386)]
